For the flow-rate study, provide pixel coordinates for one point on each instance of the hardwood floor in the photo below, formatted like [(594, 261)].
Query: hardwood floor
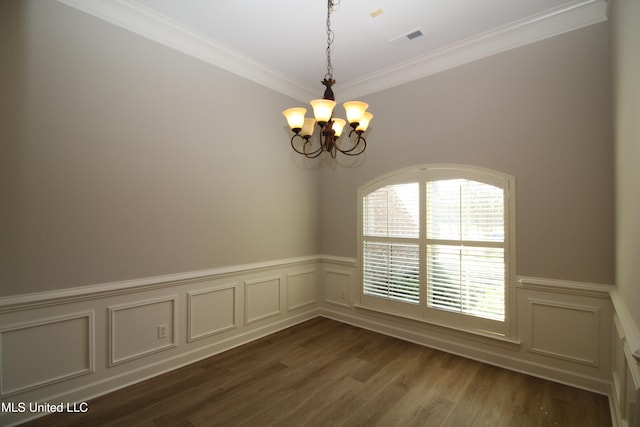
[(325, 373)]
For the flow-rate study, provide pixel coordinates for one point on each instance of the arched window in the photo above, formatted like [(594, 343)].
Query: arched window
[(437, 244)]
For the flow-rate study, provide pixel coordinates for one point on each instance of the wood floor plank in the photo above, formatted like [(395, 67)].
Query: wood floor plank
[(325, 373)]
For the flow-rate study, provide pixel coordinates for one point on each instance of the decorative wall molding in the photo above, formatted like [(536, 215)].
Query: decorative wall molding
[(337, 286), (41, 348), (119, 336), (211, 306), (618, 369), (631, 414), (302, 288), (262, 298), (625, 393), (520, 33), (346, 261), (585, 366), (564, 286), (216, 316), (575, 329), (83, 293), (147, 23), (118, 380), (630, 329), (175, 298)]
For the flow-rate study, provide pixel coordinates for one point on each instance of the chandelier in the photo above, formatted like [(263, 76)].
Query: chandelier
[(330, 127)]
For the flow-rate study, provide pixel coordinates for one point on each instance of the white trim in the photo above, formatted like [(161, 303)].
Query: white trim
[(564, 286), (190, 296), (634, 372), (538, 27), (83, 293), (48, 321), (629, 328), (118, 381), (341, 302), (174, 336), (423, 174), (497, 337), (351, 262), (308, 303), (593, 361), (247, 284), (154, 26)]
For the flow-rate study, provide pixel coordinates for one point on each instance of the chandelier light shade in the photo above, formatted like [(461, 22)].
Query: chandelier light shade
[(330, 127)]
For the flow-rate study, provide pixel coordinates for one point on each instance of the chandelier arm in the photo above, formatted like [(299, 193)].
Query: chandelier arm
[(312, 154), (293, 145), (359, 139), (304, 145), (351, 153)]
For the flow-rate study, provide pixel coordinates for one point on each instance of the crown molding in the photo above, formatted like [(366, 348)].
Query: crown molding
[(534, 28), (145, 22)]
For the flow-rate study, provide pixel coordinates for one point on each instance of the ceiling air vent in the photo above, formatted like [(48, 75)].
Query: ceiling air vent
[(403, 38)]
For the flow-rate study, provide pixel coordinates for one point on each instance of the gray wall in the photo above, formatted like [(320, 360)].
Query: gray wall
[(625, 15), (540, 113), (123, 159)]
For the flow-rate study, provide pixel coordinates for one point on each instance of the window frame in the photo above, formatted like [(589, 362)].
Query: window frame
[(434, 172)]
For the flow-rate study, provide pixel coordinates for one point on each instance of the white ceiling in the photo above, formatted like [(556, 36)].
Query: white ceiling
[(281, 44)]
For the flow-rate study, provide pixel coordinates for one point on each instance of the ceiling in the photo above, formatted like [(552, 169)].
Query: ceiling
[(282, 44)]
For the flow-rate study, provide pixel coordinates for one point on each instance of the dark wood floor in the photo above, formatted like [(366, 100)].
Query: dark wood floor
[(325, 373)]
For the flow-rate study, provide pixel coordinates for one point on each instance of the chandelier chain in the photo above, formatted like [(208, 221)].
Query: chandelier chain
[(331, 4)]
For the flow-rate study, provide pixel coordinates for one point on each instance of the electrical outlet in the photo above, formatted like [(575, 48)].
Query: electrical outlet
[(343, 295), (162, 331)]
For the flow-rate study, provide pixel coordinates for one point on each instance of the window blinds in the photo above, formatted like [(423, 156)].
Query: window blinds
[(390, 249), (465, 248), (460, 241)]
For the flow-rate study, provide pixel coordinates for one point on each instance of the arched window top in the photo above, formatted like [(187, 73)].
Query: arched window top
[(438, 171), (437, 244)]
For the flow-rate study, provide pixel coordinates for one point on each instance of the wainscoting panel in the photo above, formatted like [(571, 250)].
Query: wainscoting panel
[(563, 328), (337, 286), (302, 289), (45, 351), (211, 311), (142, 328), (74, 344), (262, 299), (618, 366), (632, 394), (47, 339), (564, 331), (626, 379)]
